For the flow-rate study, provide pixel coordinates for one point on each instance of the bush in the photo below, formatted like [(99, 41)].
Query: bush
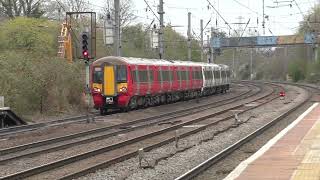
[(50, 86), (33, 79), (313, 72), (37, 36), (296, 71)]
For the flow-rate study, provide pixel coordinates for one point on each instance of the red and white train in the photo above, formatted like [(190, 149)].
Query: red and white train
[(128, 83)]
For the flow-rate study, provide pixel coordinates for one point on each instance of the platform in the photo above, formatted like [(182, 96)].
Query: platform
[(293, 154)]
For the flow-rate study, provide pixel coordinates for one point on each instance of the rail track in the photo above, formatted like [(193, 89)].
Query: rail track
[(191, 174), (112, 130), (126, 149), (30, 127), (4, 132)]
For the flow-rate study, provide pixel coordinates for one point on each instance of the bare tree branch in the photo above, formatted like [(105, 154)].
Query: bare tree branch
[(126, 11), (14, 8)]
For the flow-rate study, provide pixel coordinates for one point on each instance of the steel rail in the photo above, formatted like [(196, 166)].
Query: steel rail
[(69, 160), (97, 138), (148, 148), (154, 119), (30, 127), (35, 126), (229, 150)]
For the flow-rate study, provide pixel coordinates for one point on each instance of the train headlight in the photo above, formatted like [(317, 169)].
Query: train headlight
[(98, 90), (123, 90)]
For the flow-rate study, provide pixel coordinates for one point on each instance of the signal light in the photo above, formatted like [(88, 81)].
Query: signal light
[(85, 45), (85, 53)]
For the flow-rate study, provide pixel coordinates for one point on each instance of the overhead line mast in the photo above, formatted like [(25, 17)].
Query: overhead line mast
[(161, 12), (117, 42), (263, 19)]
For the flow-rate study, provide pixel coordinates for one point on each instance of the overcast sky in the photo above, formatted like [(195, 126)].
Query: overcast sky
[(283, 20)]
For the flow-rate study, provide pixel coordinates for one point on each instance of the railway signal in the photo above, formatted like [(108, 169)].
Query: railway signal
[(85, 46), (282, 95)]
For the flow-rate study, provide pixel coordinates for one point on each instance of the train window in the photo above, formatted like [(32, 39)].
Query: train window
[(208, 75), (165, 75), (159, 76), (217, 74), (134, 76), (151, 75), (121, 74), (179, 75), (183, 75), (170, 75), (187, 75), (143, 76), (97, 75), (199, 75)]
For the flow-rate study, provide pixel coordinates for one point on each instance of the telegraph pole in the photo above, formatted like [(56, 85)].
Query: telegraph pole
[(212, 53), (189, 36), (263, 20), (315, 52), (233, 61), (209, 49), (201, 34), (117, 39), (160, 12), (251, 58)]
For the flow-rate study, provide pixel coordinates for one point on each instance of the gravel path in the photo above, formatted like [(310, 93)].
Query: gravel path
[(168, 162)]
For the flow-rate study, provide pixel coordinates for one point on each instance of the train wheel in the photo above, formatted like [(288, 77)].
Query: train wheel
[(103, 111), (133, 103), (125, 109), (163, 99)]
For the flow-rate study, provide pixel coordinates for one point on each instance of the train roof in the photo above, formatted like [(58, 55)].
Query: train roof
[(143, 61)]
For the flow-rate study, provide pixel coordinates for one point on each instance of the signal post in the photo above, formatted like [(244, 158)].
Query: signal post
[(87, 43)]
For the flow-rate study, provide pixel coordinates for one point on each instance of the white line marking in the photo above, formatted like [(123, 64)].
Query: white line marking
[(243, 165), (313, 126)]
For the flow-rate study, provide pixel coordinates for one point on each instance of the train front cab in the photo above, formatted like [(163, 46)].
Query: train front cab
[(109, 86)]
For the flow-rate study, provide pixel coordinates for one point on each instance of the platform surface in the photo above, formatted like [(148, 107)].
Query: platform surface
[(293, 154)]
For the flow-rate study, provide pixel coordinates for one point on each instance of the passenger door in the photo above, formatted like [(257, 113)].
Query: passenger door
[(109, 81)]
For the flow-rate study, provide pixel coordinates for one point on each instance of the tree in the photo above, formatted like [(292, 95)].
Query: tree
[(126, 11), (14, 8), (76, 5), (29, 34), (311, 22)]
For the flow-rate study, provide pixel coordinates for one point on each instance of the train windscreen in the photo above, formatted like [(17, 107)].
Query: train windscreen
[(121, 74), (97, 75)]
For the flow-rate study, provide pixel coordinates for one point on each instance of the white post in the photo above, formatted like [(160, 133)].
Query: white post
[(161, 31), (1, 101), (117, 40), (233, 61), (140, 156), (176, 137), (189, 36), (201, 34), (251, 70)]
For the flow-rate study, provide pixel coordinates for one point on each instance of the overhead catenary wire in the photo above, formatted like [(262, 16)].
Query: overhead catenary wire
[(246, 6), (222, 17), (299, 8), (152, 10)]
